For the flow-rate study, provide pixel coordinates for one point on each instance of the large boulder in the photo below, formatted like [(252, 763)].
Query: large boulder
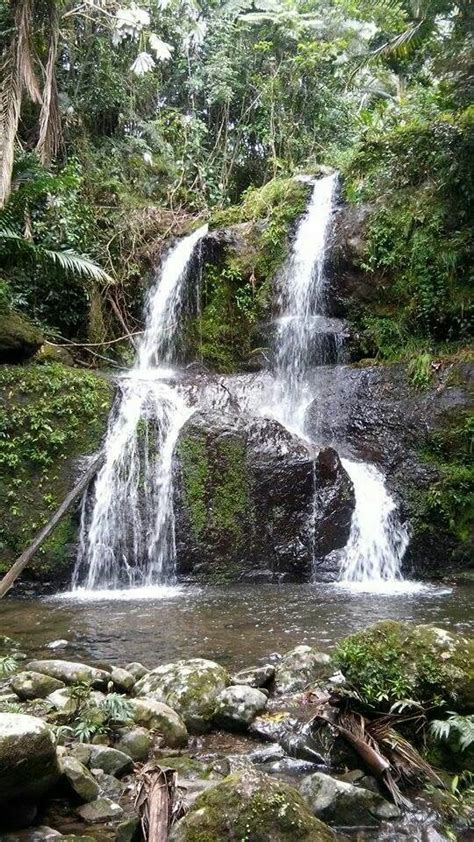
[(301, 668), (255, 676), (28, 762), (250, 805), (344, 804), (392, 660), (70, 672), (238, 705), (34, 685), (244, 497), (190, 687), (19, 338), (156, 716)]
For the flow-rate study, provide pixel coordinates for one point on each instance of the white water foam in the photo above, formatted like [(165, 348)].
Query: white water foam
[(148, 592)]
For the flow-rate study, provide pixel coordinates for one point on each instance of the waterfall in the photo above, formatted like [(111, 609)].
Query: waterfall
[(377, 539), (127, 533)]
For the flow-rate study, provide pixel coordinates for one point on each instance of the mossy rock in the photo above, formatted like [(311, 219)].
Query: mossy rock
[(189, 687), (19, 339), (28, 762), (250, 805), (51, 415), (391, 660)]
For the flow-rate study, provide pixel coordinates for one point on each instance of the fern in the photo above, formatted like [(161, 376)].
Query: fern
[(457, 726)]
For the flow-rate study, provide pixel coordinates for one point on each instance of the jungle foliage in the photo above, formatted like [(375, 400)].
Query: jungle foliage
[(121, 122)]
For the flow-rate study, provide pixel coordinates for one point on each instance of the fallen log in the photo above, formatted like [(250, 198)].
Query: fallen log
[(19, 565)]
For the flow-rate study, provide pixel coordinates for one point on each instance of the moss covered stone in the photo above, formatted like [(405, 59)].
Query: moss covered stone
[(19, 339), (189, 687), (50, 415), (391, 660), (250, 806)]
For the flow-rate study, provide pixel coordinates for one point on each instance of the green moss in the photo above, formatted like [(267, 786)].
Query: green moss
[(449, 502), (391, 661), (49, 416), (251, 807), (237, 290), (193, 456), (230, 507)]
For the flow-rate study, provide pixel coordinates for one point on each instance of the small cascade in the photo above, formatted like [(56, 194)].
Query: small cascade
[(127, 530), (299, 341), (377, 540)]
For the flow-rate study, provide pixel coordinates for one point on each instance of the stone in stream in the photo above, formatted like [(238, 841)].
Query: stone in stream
[(109, 786), (238, 705), (101, 810), (250, 805), (190, 687), (255, 676), (111, 761), (80, 779), (136, 742), (34, 685), (157, 716), (129, 830), (344, 804), (137, 670), (301, 668), (273, 726), (122, 680), (28, 761), (71, 672)]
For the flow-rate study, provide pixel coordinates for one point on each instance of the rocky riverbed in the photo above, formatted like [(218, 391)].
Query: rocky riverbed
[(301, 745)]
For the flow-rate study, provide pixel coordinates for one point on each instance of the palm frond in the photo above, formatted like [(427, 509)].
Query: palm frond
[(75, 264)]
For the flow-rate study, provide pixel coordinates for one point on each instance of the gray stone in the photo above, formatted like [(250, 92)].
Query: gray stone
[(101, 810), (273, 726), (80, 779), (128, 830), (344, 804), (28, 762), (136, 742), (71, 673), (137, 670), (301, 668), (109, 786), (157, 716), (255, 676), (34, 685), (82, 752), (238, 705), (111, 761), (122, 680), (190, 687)]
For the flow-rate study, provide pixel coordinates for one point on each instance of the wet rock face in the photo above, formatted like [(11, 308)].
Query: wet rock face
[(344, 804), (334, 504), (374, 414), (245, 501)]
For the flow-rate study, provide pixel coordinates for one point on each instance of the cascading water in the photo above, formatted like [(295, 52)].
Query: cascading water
[(377, 540), (128, 537)]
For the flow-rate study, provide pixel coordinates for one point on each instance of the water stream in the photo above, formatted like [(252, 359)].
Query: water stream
[(128, 531)]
